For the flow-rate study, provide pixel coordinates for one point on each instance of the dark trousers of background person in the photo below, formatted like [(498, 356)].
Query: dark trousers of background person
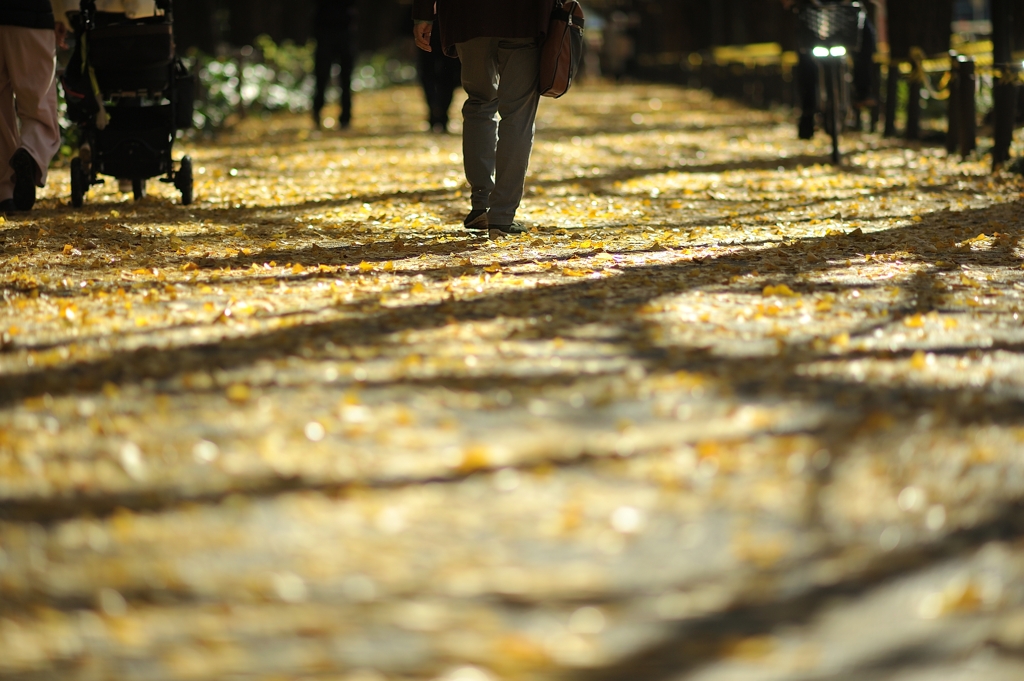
[(807, 76), (336, 43), (439, 75)]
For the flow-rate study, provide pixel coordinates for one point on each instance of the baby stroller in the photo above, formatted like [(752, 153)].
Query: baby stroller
[(127, 94)]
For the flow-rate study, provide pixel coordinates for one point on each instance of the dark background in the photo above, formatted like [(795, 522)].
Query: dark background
[(665, 25)]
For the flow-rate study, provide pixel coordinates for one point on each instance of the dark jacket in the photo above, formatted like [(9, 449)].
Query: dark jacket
[(26, 13), (462, 20)]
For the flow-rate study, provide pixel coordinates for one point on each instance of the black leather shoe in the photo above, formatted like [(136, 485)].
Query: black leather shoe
[(502, 231), (7, 207), (25, 173), (477, 219)]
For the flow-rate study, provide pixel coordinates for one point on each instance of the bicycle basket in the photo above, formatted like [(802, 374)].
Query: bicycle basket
[(832, 25)]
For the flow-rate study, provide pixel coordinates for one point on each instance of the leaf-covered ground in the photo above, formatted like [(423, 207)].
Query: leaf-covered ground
[(725, 413)]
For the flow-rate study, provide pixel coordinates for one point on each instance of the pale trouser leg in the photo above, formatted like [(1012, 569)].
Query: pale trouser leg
[(28, 93), (500, 76)]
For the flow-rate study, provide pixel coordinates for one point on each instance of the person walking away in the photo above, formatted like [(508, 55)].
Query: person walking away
[(336, 29), (439, 76), (498, 42), (29, 132), (619, 45)]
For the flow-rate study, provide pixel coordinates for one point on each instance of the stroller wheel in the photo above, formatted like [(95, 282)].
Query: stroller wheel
[(79, 182), (183, 180), (139, 188)]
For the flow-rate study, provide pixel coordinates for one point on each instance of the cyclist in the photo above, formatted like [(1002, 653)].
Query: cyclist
[(807, 73)]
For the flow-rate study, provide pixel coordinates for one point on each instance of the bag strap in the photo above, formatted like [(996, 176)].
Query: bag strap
[(567, 15)]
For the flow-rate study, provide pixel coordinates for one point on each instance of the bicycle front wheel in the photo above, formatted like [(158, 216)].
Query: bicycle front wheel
[(834, 109)]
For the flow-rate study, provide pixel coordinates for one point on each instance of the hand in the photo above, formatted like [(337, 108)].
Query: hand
[(422, 32), (61, 31)]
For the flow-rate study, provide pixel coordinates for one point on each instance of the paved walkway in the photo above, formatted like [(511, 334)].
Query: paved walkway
[(724, 414)]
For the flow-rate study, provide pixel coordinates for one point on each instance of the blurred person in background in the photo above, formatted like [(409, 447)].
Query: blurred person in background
[(498, 42), (593, 46), (807, 72), (619, 45), (29, 132), (439, 75), (336, 30)]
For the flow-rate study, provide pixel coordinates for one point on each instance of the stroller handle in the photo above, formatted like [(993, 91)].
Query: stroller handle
[(801, 4), (90, 5), (88, 12)]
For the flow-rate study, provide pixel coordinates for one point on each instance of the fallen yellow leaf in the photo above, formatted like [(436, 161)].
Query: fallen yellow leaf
[(778, 290), (238, 393)]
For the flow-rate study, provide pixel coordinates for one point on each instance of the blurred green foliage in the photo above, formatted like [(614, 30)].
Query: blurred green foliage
[(270, 77)]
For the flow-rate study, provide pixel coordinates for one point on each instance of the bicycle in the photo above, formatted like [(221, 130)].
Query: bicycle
[(830, 33)]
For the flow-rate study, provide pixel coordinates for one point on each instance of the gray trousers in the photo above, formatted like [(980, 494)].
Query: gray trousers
[(500, 77)]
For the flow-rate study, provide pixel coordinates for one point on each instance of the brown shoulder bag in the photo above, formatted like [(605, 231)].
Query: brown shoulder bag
[(562, 50)]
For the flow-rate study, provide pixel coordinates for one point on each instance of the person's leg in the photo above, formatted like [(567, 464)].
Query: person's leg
[(30, 56), (322, 73), (347, 51), (428, 79), (8, 120), (433, 79), (518, 97), (480, 115), (807, 82), (346, 61), (449, 79)]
